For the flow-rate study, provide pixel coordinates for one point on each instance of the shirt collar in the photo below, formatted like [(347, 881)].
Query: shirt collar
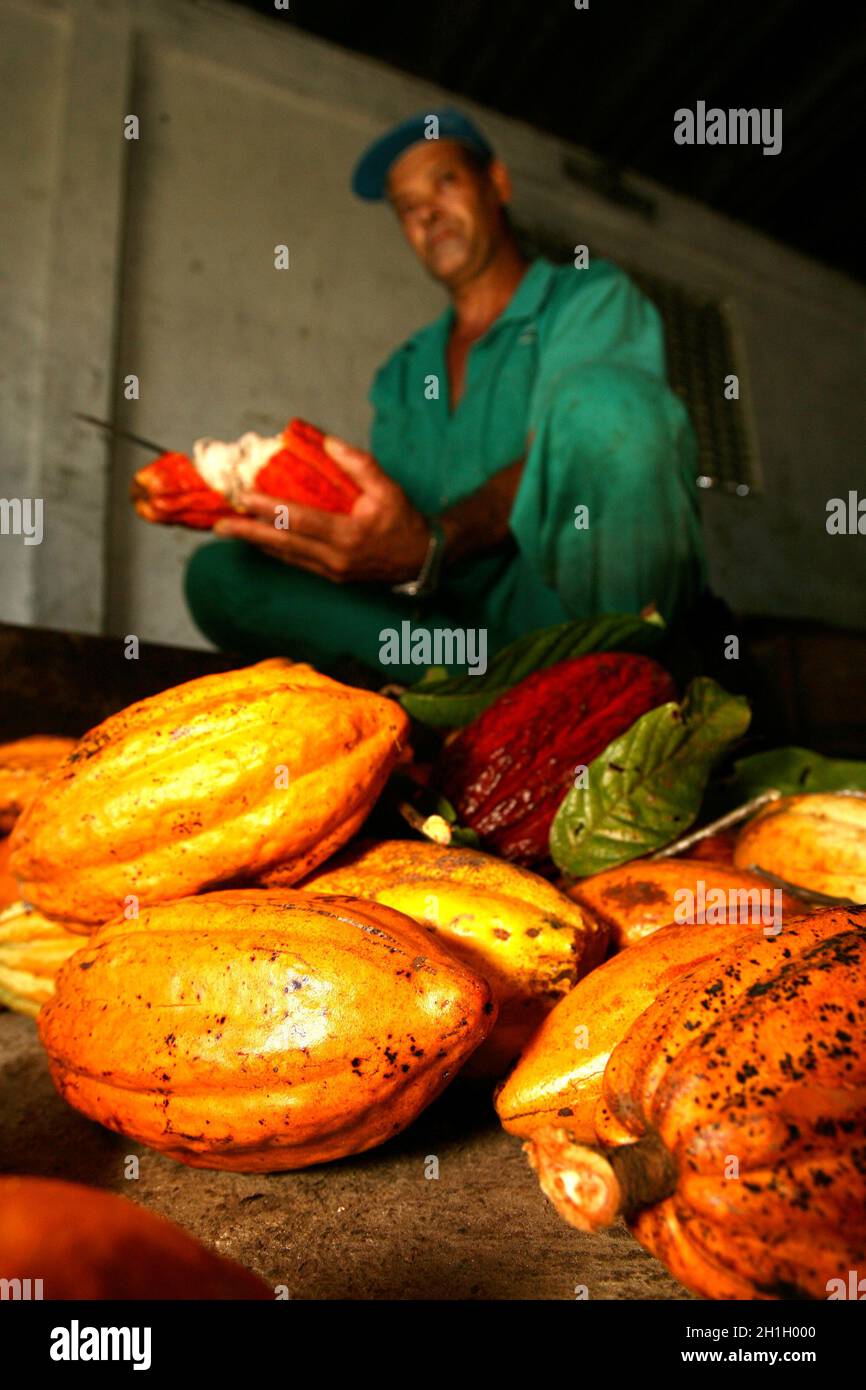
[(523, 304), (530, 293)]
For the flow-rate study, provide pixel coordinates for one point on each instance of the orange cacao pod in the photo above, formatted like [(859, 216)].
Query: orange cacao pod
[(558, 1078), (24, 765), (8, 887), (260, 1031), (508, 770), (211, 782), (816, 841), (733, 1119), (637, 898), (79, 1243)]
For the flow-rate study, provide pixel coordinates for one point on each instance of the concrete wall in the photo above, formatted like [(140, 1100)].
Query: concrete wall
[(155, 257)]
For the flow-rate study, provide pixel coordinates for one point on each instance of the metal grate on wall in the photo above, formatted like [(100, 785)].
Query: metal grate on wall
[(703, 349)]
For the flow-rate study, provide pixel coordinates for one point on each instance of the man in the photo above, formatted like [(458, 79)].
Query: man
[(528, 462)]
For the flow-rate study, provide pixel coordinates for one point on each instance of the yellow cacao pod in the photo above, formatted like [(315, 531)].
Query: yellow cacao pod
[(260, 1031), (209, 783), (524, 936), (817, 842), (32, 950)]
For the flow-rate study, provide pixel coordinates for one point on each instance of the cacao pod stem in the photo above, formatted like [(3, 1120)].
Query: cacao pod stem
[(590, 1187), (435, 828)]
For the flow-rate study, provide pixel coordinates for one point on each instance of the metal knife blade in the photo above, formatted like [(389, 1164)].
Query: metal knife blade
[(123, 434)]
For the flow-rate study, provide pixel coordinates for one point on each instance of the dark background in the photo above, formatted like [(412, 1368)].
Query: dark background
[(610, 78)]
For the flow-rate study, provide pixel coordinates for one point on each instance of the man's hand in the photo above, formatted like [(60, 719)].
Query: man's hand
[(383, 539)]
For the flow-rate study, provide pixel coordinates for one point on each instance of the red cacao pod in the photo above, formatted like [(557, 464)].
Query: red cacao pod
[(507, 771), (171, 490)]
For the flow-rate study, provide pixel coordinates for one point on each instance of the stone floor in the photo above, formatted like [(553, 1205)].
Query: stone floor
[(367, 1227)]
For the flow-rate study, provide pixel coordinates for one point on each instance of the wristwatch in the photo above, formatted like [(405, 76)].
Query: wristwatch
[(427, 581)]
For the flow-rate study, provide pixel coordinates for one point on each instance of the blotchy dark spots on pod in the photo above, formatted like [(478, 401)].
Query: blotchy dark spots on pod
[(533, 931), (488, 1009), (565, 1111)]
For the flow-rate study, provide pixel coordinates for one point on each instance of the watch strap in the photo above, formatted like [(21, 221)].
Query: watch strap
[(427, 581)]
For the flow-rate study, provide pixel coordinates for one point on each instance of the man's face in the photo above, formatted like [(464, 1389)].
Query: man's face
[(450, 212)]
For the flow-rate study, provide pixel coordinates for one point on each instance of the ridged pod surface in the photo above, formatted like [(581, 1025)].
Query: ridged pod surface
[(85, 1244), (733, 1119), (24, 765), (32, 950), (211, 782), (524, 936), (260, 1031), (816, 841), (559, 1076), (507, 771)]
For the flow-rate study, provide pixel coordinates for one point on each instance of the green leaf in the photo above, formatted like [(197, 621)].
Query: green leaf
[(645, 789), (461, 835), (444, 809), (450, 702), (791, 771)]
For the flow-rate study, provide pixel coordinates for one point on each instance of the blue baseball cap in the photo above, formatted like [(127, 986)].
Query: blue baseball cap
[(370, 176)]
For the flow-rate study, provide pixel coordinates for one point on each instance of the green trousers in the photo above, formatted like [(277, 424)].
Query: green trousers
[(605, 520)]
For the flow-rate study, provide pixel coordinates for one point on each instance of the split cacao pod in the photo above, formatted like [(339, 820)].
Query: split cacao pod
[(260, 1031), (816, 842), (80, 1243), (24, 765), (732, 1124), (171, 490), (524, 936), (558, 1078), (637, 898), (211, 782), (507, 771), (32, 950)]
